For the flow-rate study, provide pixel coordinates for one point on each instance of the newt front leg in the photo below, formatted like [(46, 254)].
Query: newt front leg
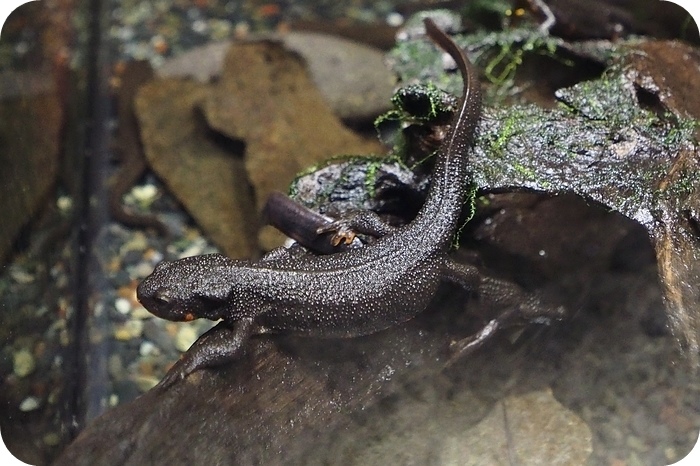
[(220, 345)]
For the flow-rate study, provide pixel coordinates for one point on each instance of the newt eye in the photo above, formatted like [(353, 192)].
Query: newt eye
[(161, 299)]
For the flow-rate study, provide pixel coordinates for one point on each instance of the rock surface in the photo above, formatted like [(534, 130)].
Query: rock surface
[(353, 78)]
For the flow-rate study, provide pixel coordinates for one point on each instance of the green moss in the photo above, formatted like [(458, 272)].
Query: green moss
[(416, 104), (682, 131), (510, 127), (373, 167), (419, 103), (470, 203)]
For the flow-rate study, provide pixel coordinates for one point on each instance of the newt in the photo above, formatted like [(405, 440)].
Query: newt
[(351, 293)]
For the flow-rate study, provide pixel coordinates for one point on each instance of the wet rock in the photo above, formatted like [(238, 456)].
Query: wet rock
[(667, 71), (514, 229), (351, 77), (349, 184)]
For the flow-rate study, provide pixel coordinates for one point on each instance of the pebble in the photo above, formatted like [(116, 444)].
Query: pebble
[(42, 310), (154, 331), (138, 242), (23, 363), (99, 309), (51, 439), (146, 382), (186, 335), (144, 195), (129, 330), (636, 444), (122, 305), (64, 203), (153, 256), (115, 367), (21, 276), (131, 257), (148, 349), (394, 19), (195, 249), (671, 454), (142, 270), (29, 404)]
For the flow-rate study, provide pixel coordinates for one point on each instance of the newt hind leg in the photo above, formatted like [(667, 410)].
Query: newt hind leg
[(512, 305)]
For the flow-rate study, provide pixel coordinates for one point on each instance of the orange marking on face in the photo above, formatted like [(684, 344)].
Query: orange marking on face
[(189, 317)]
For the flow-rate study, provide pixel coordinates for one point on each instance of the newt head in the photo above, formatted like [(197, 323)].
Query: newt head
[(184, 290)]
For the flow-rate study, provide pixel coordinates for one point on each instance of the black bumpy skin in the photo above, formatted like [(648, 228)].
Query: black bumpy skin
[(351, 293)]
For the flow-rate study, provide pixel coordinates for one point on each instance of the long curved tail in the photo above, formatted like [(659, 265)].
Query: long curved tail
[(440, 213)]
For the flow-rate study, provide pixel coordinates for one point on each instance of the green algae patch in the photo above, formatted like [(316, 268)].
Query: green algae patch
[(600, 144)]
